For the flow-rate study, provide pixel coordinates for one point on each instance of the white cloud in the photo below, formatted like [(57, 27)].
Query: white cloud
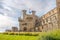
[(30, 4), (6, 21)]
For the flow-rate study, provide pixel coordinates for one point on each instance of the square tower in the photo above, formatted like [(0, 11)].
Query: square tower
[(58, 12), (58, 3)]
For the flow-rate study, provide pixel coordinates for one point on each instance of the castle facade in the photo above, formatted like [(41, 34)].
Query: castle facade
[(47, 22)]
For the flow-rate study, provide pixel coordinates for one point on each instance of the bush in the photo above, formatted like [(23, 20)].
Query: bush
[(49, 38), (5, 33), (11, 34), (29, 34), (24, 34), (54, 35)]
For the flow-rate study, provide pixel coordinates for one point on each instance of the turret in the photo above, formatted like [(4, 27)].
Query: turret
[(33, 12), (24, 13)]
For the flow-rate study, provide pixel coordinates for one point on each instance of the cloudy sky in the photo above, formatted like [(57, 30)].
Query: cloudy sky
[(10, 10)]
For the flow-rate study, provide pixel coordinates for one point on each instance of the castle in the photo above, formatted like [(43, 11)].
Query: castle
[(29, 22), (49, 21)]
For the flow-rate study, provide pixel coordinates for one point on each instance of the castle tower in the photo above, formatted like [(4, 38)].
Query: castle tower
[(58, 3), (58, 11), (33, 12), (28, 21), (24, 13)]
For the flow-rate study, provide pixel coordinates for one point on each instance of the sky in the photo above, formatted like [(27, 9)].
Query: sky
[(10, 10)]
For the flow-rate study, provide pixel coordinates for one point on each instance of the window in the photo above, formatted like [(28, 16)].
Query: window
[(46, 20), (55, 17), (43, 21), (37, 23), (49, 20), (29, 18), (25, 29), (24, 24)]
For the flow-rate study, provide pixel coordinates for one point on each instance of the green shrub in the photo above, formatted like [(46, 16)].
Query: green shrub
[(5, 33), (54, 35), (25, 34), (30, 34), (11, 34), (49, 38)]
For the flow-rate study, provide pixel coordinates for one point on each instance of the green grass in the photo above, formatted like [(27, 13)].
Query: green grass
[(25, 36), (17, 37), (5, 36)]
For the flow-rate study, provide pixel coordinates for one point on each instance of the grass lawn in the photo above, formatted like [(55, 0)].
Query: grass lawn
[(17, 37), (54, 34)]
